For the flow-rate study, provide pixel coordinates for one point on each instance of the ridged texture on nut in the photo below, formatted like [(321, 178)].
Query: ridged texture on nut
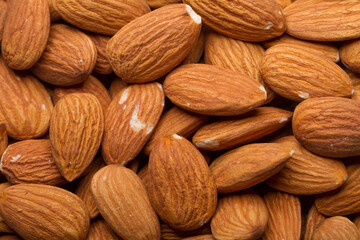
[(290, 70), (284, 216), (76, 130), (25, 32), (168, 233), (116, 86), (130, 120), (102, 64), (42, 212), (180, 186), (100, 229), (329, 126), (68, 59), (201, 237), (3, 138), (4, 228), (312, 220), (252, 21), (25, 105), (123, 202), (152, 45), (30, 161), (160, 3), (349, 54), (240, 215), (336, 228), (100, 16), (320, 22), (175, 120), (197, 49), (3, 12), (234, 131), (54, 16), (283, 3), (213, 90), (248, 165), (306, 173)]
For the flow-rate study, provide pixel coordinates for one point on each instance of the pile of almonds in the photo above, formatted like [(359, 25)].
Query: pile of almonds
[(171, 119)]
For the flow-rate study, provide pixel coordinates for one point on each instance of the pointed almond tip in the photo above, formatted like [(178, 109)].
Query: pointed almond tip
[(193, 14)]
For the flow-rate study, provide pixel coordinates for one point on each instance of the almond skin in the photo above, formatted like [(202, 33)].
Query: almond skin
[(102, 65), (201, 237), (180, 186), (54, 16), (313, 219), (336, 228), (283, 3), (116, 86), (25, 32), (19, 206), (68, 59), (197, 49), (240, 215), (168, 233), (76, 129), (160, 3), (213, 90), (3, 138), (329, 126), (3, 12), (99, 229), (253, 21), (163, 38), (349, 54), (4, 228), (123, 202)]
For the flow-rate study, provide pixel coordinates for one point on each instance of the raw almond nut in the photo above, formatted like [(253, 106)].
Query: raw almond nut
[(116, 86), (3, 12), (290, 70), (355, 78), (253, 21), (197, 50), (168, 233), (102, 65), (3, 138), (240, 215), (163, 39), (123, 202), (306, 173), (76, 129), (10, 237), (4, 228), (180, 186), (201, 237), (130, 120), (283, 3), (160, 3), (54, 16), (336, 228), (31, 116), (25, 32), (60, 214), (30, 161), (99, 229), (231, 132), (356, 95), (248, 165), (284, 216), (103, 16), (356, 221), (349, 54), (323, 23), (68, 59), (313, 219), (213, 90), (328, 126)]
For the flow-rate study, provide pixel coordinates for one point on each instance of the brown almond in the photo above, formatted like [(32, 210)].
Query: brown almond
[(4, 228), (116, 86), (349, 54), (10, 237), (201, 237), (336, 228), (160, 3), (283, 3), (167, 233), (356, 95), (3, 138), (313, 219), (3, 12), (100, 229), (197, 49), (54, 16), (102, 64)]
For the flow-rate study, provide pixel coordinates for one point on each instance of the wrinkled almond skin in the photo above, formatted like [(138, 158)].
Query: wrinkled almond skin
[(197, 49), (61, 214), (68, 59), (3, 138), (102, 65), (329, 126), (336, 228), (290, 70), (167, 233), (123, 202), (116, 86), (253, 21), (349, 54), (76, 129), (3, 12), (54, 16), (31, 116), (180, 186), (240, 215), (213, 90), (130, 120), (201, 237), (4, 228), (100, 229), (283, 3), (248, 165), (30, 161), (160, 3), (306, 173), (312, 220), (151, 56), (25, 32)]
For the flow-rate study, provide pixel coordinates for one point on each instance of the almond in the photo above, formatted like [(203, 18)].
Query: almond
[(290, 70), (31, 116), (4, 228), (168, 233), (68, 59), (3, 138), (336, 228), (231, 132), (160, 3), (240, 215), (130, 120), (349, 53), (99, 229), (123, 202), (306, 173), (253, 21), (116, 86), (103, 16), (201, 237), (152, 45), (356, 95), (10, 237), (102, 65), (76, 129), (37, 211), (197, 49), (54, 16), (213, 90), (3, 12), (283, 3), (329, 126), (25, 32), (181, 188), (356, 221), (313, 219)]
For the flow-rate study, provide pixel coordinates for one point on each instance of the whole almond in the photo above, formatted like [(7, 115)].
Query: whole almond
[(100, 229), (76, 129), (3, 138), (60, 214), (68, 59), (328, 126), (123, 202), (3, 12), (356, 221), (10, 237), (336, 228), (313, 219), (160, 3), (4, 228), (25, 32), (167, 233), (201, 237), (197, 49), (349, 53), (213, 90), (116, 86), (356, 95), (163, 38), (180, 186), (283, 3), (54, 16), (102, 64)]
